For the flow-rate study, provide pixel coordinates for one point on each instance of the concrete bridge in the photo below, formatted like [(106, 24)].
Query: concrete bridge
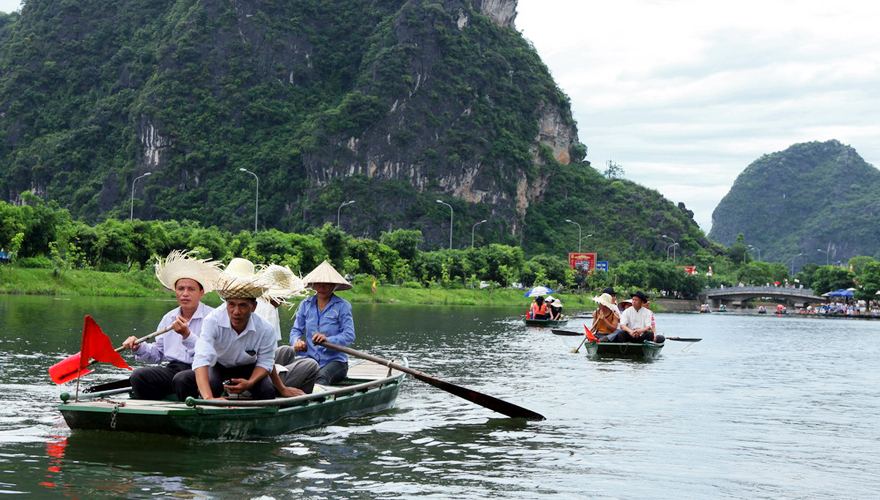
[(738, 295)]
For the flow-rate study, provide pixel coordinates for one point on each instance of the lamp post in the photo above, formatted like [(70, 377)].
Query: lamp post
[(130, 217), (582, 239), (579, 233), (756, 248), (344, 203), (673, 247), (826, 255), (473, 229), (256, 197), (450, 221), (792, 262)]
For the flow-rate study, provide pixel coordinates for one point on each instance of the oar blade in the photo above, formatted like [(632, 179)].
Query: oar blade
[(68, 369), (484, 400), (682, 339)]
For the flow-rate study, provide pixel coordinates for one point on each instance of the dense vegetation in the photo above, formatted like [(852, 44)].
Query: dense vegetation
[(815, 202), (391, 103), (40, 235)]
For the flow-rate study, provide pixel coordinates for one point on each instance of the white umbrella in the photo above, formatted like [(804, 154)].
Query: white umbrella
[(538, 291)]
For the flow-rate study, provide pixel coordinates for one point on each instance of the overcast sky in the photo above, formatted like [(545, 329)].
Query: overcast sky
[(684, 94)]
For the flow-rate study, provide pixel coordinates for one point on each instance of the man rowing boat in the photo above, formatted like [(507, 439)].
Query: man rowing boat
[(190, 279)]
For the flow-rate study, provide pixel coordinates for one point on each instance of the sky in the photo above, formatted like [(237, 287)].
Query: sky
[(684, 94)]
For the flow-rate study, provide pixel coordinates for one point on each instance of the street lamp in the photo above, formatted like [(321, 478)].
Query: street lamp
[(673, 247), (344, 203), (756, 248), (792, 262), (256, 197), (579, 233), (130, 217), (450, 221), (826, 255), (472, 231), (585, 237)]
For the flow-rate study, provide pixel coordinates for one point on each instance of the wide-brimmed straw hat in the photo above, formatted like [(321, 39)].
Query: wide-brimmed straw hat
[(605, 300), (240, 281), (325, 273), (553, 300), (180, 264), (283, 283)]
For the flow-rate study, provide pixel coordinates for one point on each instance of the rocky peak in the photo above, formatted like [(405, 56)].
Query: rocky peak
[(503, 12)]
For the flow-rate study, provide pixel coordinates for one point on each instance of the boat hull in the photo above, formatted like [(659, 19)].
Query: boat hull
[(647, 351), (544, 322), (211, 422)]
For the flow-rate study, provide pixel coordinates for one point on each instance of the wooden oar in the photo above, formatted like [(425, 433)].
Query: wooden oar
[(493, 403), (566, 333), (681, 339), (71, 364)]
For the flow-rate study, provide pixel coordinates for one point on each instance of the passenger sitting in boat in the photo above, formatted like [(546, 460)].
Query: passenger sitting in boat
[(554, 306), (606, 317), (539, 309), (636, 323), (236, 350), (324, 317), (190, 279)]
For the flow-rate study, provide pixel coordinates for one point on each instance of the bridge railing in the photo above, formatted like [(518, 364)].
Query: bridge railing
[(768, 290)]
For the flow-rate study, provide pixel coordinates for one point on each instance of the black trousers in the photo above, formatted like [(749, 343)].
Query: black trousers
[(156, 382), (185, 382)]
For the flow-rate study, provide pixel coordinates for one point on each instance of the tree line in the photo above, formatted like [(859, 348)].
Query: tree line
[(41, 234)]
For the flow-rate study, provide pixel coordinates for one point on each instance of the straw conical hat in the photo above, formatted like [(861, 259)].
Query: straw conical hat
[(282, 282), (325, 273), (179, 264)]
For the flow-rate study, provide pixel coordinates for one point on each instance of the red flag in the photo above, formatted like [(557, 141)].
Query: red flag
[(95, 345), (590, 336)]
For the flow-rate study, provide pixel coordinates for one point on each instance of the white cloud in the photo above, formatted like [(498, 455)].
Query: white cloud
[(685, 94), (9, 5)]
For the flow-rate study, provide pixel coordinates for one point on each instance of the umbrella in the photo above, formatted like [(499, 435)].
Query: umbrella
[(538, 291), (839, 293)]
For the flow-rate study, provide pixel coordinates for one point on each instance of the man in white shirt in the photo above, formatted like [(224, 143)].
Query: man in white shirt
[(236, 350), (636, 323), (190, 279)]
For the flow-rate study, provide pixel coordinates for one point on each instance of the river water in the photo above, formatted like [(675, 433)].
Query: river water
[(762, 407)]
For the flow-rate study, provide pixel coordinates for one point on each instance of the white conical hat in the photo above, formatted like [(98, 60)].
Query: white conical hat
[(179, 264), (325, 273)]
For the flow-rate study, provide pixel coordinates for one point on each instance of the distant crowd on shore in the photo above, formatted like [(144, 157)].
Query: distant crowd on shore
[(859, 308)]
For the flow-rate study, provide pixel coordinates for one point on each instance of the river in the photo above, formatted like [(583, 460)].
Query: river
[(763, 407)]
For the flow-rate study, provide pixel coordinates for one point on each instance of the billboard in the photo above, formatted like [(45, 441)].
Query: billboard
[(582, 262)]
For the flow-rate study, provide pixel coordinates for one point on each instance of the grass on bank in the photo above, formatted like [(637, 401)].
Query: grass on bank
[(17, 280)]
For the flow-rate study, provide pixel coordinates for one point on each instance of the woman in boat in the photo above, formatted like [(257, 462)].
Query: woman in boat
[(324, 316), (539, 309), (554, 307), (606, 317)]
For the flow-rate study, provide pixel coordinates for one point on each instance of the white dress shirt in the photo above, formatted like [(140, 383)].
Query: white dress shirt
[(219, 343), (171, 345), (636, 320)]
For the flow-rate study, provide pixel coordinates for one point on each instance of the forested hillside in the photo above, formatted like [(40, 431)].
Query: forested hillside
[(814, 202), (390, 103)]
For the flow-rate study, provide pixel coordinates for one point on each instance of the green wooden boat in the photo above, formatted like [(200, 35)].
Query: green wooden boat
[(369, 388), (646, 351), (544, 322)]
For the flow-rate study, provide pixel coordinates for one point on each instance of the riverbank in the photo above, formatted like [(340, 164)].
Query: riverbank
[(15, 280)]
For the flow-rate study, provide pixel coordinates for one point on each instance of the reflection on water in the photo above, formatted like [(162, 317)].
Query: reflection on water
[(755, 410)]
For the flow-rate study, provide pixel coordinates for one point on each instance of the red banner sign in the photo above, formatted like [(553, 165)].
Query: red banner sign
[(582, 262), (691, 270)]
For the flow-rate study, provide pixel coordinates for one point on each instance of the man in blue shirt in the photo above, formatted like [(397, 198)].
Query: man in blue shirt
[(324, 316)]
